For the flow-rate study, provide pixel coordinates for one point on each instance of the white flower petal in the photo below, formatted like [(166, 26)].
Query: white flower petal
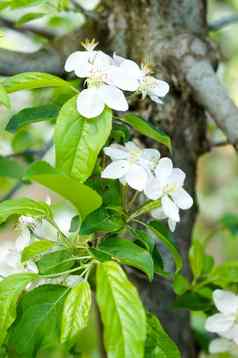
[(226, 301), (170, 209), (78, 62), (172, 225), (137, 177), (118, 77), (149, 158), (116, 152), (114, 98), (219, 323), (231, 333), (132, 147), (158, 213), (89, 103), (132, 69), (116, 170), (164, 170), (153, 189), (182, 199), (155, 99), (31, 267), (177, 178), (220, 345), (159, 89)]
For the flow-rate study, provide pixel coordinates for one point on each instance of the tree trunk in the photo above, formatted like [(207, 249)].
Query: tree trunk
[(156, 31)]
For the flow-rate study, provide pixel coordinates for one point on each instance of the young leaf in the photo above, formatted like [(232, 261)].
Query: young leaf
[(78, 140), (146, 129), (81, 196), (163, 235), (130, 254), (11, 168), (32, 115), (58, 261), (10, 290), (76, 311), (158, 343), (24, 206), (102, 220), (38, 324), (122, 313), (33, 80), (193, 301), (36, 248), (4, 98), (224, 274), (196, 258), (180, 284)]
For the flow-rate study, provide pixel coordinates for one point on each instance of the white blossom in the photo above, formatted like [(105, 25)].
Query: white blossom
[(167, 185), (88, 4), (224, 323), (159, 214), (102, 79), (223, 345), (130, 164), (145, 83)]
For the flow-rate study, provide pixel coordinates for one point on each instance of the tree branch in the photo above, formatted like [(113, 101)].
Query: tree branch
[(49, 59), (223, 22), (212, 95)]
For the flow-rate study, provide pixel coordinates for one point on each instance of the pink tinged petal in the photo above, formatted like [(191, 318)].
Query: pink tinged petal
[(137, 177), (113, 98), (226, 301), (153, 189), (170, 209), (220, 345), (177, 178), (164, 170), (116, 152), (158, 213), (116, 170), (89, 103), (159, 89), (182, 199), (122, 79), (219, 323)]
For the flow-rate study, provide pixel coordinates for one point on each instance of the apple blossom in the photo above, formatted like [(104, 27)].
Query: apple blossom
[(130, 164), (167, 185), (223, 345), (102, 81), (146, 84), (224, 323)]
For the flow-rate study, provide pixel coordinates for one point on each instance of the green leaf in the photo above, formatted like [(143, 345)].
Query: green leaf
[(164, 236), (78, 140), (224, 274), (4, 98), (10, 290), (15, 4), (32, 115), (58, 261), (146, 129), (38, 324), (110, 190), (24, 206), (180, 284), (29, 17), (102, 220), (36, 248), (158, 343), (130, 254), (193, 301), (230, 222), (122, 313), (11, 168), (196, 255), (76, 311), (81, 196), (33, 80)]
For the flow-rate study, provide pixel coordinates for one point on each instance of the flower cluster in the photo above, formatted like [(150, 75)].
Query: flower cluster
[(107, 78), (10, 259), (144, 170), (224, 323)]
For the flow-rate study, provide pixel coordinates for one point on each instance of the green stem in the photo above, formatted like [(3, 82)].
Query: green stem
[(145, 208), (64, 272), (133, 199)]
